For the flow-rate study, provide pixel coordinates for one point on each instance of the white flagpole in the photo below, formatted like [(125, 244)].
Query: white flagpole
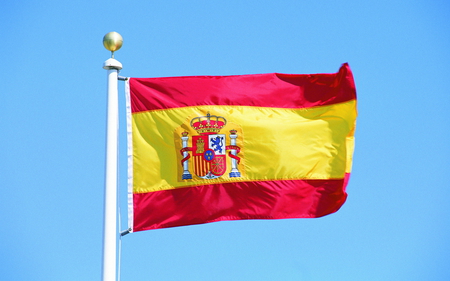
[(112, 41)]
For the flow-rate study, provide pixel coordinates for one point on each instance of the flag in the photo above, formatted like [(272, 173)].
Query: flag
[(211, 148)]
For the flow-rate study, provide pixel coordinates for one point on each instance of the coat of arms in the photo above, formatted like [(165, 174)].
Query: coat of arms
[(209, 149)]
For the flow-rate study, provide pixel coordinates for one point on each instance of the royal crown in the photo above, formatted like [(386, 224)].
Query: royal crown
[(208, 124)]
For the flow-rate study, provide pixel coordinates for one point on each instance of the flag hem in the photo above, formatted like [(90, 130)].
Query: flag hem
[(129, 156)]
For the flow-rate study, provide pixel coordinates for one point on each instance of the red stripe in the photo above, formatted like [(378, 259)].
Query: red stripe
[(235, 201), (262, 90)]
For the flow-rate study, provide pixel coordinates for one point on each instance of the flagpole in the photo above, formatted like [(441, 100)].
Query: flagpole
[(112, 41)]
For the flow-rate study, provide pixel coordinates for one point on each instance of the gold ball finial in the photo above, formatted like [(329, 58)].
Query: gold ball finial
[(112, 41)]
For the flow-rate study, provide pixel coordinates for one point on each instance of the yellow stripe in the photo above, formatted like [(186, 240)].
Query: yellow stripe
[(275, 143)]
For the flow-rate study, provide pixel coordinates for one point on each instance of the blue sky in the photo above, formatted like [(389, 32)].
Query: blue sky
[(395, 223)]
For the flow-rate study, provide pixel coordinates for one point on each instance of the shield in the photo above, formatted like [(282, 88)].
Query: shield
[(209, 155)]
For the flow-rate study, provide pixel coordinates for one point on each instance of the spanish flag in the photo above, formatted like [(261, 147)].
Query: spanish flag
[(212, 148)]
